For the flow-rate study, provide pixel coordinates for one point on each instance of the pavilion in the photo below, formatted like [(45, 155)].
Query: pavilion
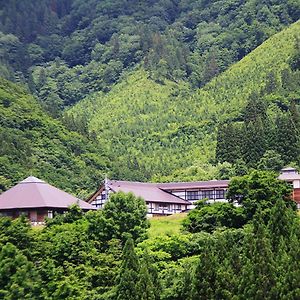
[(37, 199)]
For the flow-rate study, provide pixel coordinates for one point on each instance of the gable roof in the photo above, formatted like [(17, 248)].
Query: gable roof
[(150, 192), (35, 193)]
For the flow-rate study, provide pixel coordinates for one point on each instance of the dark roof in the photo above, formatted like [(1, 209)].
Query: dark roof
[(150, 192), (35, 193), (194, 185)]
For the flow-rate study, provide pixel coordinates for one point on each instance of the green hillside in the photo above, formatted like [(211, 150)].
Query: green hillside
[(32, 143), (230, 90), (154, 129), (149, 128), (66, 49)]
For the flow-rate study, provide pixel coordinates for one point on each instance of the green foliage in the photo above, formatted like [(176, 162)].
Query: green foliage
[(170, 132), (209, 217), (124, 215), (18, 278), (258, 190), (73, 214), (271, 161), (74, 259), (16, 232), (127, 287), (34, 143)]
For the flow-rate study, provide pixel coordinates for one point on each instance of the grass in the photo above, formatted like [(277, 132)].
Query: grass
[(168, 225)]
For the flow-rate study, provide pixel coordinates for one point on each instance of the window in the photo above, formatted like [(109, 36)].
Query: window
[(192, 195), (208, 194), (220, 194)]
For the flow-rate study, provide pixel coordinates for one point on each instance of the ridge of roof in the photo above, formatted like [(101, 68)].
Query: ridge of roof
[(31, 179), (159, 184), (289, 169)]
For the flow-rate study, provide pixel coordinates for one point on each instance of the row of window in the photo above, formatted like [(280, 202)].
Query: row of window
[(205, 194)]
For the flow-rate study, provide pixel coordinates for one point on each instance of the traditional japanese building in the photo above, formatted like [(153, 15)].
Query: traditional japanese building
[(163, 198), (37, 199), (292, 176)]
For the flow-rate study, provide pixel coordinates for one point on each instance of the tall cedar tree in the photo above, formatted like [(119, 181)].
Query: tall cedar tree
[(129, 274), (145, 285), (288, 142), (228, 143), (204, 282), (258, 273), (254, 142)]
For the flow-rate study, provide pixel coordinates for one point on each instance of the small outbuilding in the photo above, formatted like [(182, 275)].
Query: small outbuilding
[(37, 199), (292, 176)]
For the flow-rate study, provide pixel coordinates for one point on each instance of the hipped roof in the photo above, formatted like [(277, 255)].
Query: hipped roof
[(35, 193)]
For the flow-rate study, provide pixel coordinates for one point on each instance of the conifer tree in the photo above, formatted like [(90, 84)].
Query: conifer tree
[(281, 223), (204, 282), (145, 286), (288, 140), (129, 274), (228, 143), (258, 271), (254, 141)]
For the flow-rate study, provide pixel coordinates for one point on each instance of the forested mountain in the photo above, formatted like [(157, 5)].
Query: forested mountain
[(67, 49), (34, 143), (153, 80), (155, 129)]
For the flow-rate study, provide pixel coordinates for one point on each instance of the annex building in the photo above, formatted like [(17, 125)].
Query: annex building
[(292, 176)]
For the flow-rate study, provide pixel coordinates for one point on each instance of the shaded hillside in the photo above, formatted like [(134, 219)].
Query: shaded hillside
[(32, 143), (155, 129)]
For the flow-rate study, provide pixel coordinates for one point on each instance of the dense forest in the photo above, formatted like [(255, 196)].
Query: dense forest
[(148, 84), (32, 142), (223, 251)]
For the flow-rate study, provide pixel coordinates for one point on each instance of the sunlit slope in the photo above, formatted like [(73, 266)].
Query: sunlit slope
[(229, 91), (155, 129), (150, 128)]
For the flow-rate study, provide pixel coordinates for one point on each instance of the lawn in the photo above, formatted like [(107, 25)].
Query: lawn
[(166, 225)]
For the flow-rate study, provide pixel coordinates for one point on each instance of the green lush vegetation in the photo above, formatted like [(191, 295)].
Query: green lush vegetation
[(165, 132), (153, 82), (152, 90), (106, 254), (167, 225), (67, 49), (33, 143)]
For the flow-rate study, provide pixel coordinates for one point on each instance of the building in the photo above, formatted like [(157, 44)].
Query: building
[(37, 199), (292, 176), (163, 198)]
